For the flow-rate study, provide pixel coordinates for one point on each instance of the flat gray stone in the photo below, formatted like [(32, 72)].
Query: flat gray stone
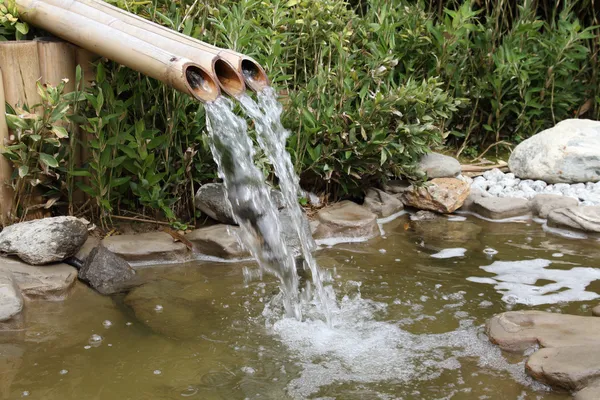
[(44, 241), (107, 272), (437, 165), (519, 330), (90, 244), (569, 152), (290, 235), (475, 194), (397, 186), (500, 207), (151, 247), (11, 302), (211, 199), (569, 368), (217, 241), (49, 282), (381, 203), (542, 204), (582, 218), (346, 220)]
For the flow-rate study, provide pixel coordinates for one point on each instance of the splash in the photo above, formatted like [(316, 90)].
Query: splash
[(271, 137), (251, 203)]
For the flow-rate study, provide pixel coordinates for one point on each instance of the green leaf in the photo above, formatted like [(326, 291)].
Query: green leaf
[(48, 160), (119, 181), (60, 132), (22, 27), (23, 171)]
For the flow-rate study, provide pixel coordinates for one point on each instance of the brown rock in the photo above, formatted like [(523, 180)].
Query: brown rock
[(346, 219), (588, 393), (444, 195), (520, 330), (596, 311), (151, 247), (543, 204)]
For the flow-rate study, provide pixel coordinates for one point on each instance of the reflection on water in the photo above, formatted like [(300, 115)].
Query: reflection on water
[(408, 327)]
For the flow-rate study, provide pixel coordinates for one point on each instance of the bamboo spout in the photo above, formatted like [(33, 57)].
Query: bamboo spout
[(229, 79), (253, 73), (194, 78)]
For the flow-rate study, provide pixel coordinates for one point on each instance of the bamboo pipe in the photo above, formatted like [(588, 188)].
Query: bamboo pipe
[(6, 192), (229, 79), (179, 72), (253, 73)]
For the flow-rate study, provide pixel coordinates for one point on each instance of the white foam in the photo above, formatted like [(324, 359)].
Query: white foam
[(340, 240), (457, 218), (516, 281), (358, 348), (392, 217), (450, 253), (519, 218)]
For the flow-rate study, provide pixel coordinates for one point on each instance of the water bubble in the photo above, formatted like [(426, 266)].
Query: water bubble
[(397, 260), (87, 347), (109, 345), (382, 251), (107, 324), (489, 251), (248, 370), (157, 372), (158, 308), (557, 255), (189, 391), (128, 323), (95, 339), (25, 393), (63, 372)]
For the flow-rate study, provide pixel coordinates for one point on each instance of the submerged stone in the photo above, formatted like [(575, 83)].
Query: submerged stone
[(11, 302), (290, 236), (381, 203), (543, 204), (106, 272), (584, 218), (346, 220), (443, 195), (437, 165), (44, 240)]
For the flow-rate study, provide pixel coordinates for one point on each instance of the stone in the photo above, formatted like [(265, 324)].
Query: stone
[(48, 282), (437, 165), (569, 152), (596, 311), (396, 186), (590, 392), (290, 236), (500, 207), (542, 204), (90, 244), (518, 331), (106, 272), (569, 368), (381, 203), (584, 218), (476, 193), (11, 302), (151, 247), (170, 308), (424, 216), (443, 195), (211, 199), (346, 220), (44, 240), (217, 241)]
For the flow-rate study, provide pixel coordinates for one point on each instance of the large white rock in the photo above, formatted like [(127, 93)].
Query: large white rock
[(568, 152), (11, 302)]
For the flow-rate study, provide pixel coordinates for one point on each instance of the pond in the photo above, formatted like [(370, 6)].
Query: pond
[(407, 325)]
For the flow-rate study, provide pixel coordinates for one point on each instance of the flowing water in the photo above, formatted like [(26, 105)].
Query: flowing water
[(408, 325)]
